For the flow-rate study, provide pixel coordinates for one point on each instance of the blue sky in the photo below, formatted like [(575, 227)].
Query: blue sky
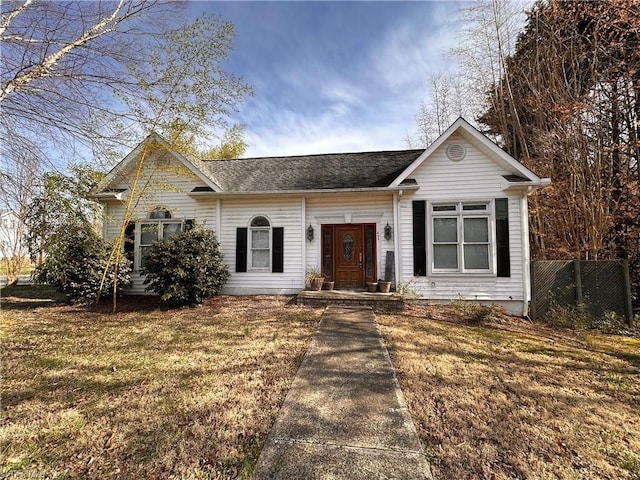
[(334, 76)]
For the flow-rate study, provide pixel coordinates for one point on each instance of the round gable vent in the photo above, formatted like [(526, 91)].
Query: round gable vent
[(456, 152)]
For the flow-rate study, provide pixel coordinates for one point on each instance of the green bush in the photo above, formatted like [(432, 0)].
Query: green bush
[(186, 269), (76, 263)]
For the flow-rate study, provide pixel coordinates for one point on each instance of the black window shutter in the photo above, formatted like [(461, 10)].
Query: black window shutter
[(189, 224), (277, 253), (502, 237), (241, 249), (129, 241), (419, 238)]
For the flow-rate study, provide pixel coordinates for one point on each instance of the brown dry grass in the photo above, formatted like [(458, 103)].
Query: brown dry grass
[(147, 392), (516, 400)]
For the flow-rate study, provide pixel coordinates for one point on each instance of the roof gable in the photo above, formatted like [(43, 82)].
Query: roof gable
[(152, 143), (492, 151)]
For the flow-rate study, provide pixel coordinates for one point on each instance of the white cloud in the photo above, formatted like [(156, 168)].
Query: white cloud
[(368, 104)]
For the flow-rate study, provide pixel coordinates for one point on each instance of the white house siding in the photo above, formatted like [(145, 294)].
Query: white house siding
[(286, 212), (474, 178), (165, 185), (352, 208)]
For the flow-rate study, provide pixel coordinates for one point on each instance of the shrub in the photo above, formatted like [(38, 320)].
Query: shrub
[(76, 263), (186, 269), (574, 317), (477, 314), (579, 317)]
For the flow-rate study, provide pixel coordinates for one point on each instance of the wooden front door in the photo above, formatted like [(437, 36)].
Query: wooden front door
[(348, 256)]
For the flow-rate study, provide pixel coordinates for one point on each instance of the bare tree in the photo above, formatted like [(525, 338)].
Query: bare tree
[(574, 83), (489, 29), (64, 65), (448, 98), (16, 184), (81, 78)]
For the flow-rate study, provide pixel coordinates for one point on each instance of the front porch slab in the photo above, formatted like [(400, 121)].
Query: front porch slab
[(381, 302)]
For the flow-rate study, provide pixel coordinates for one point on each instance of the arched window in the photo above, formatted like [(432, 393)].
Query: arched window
[(260, 243), (159, 214)]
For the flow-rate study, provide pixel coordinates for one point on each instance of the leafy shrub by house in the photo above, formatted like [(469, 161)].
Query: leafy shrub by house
[(187, 268), (76, 263)]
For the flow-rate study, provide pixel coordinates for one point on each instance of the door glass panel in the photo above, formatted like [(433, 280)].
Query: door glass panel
[(326, 249), (368, 248), (348, 248)]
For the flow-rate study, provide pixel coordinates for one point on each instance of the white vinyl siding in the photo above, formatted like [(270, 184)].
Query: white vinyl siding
[(349, 208), (475, 179), (163, 184), (284, 213)]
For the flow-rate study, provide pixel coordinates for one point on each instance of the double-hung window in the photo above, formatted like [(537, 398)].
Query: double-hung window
[(151, 231), (139, 236), (461, 237), (260, 243)]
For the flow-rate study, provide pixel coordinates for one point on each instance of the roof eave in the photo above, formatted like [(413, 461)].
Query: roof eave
[(525, 187), (107, 195), (328, 191)]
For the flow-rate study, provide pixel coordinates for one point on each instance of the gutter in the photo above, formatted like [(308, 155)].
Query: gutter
[(328, 191), (530, 186)]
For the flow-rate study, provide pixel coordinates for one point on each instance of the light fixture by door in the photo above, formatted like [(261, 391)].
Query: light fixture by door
[(387, 231)]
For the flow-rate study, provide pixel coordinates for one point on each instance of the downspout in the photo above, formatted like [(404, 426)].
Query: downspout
[(218, 218), (396, 237), (303, 236), (526, 260)]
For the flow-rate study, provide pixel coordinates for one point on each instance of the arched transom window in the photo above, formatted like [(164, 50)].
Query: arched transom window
[(260, 243)]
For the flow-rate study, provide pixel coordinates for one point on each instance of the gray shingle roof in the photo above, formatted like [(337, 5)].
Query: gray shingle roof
[(310, 172)]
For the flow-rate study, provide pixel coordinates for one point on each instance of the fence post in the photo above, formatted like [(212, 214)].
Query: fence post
[(533, 291), (577, 277), (627, 291)]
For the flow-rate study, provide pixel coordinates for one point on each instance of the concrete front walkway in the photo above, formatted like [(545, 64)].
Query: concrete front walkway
[(344, 416)]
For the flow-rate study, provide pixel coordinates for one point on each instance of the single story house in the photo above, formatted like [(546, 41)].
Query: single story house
[(453, 216)]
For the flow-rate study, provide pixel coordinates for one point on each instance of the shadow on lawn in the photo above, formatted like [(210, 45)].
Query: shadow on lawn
[(510, 391), (23, 297)]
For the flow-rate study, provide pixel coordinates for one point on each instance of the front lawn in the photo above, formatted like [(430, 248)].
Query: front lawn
[(147, 392), (518, 400)]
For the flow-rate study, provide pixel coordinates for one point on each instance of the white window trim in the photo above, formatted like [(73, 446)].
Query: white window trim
[(460, 214), (138, 236), (250, 249)]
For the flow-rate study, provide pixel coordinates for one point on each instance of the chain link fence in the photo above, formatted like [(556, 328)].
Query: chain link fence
[(601, 286)]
